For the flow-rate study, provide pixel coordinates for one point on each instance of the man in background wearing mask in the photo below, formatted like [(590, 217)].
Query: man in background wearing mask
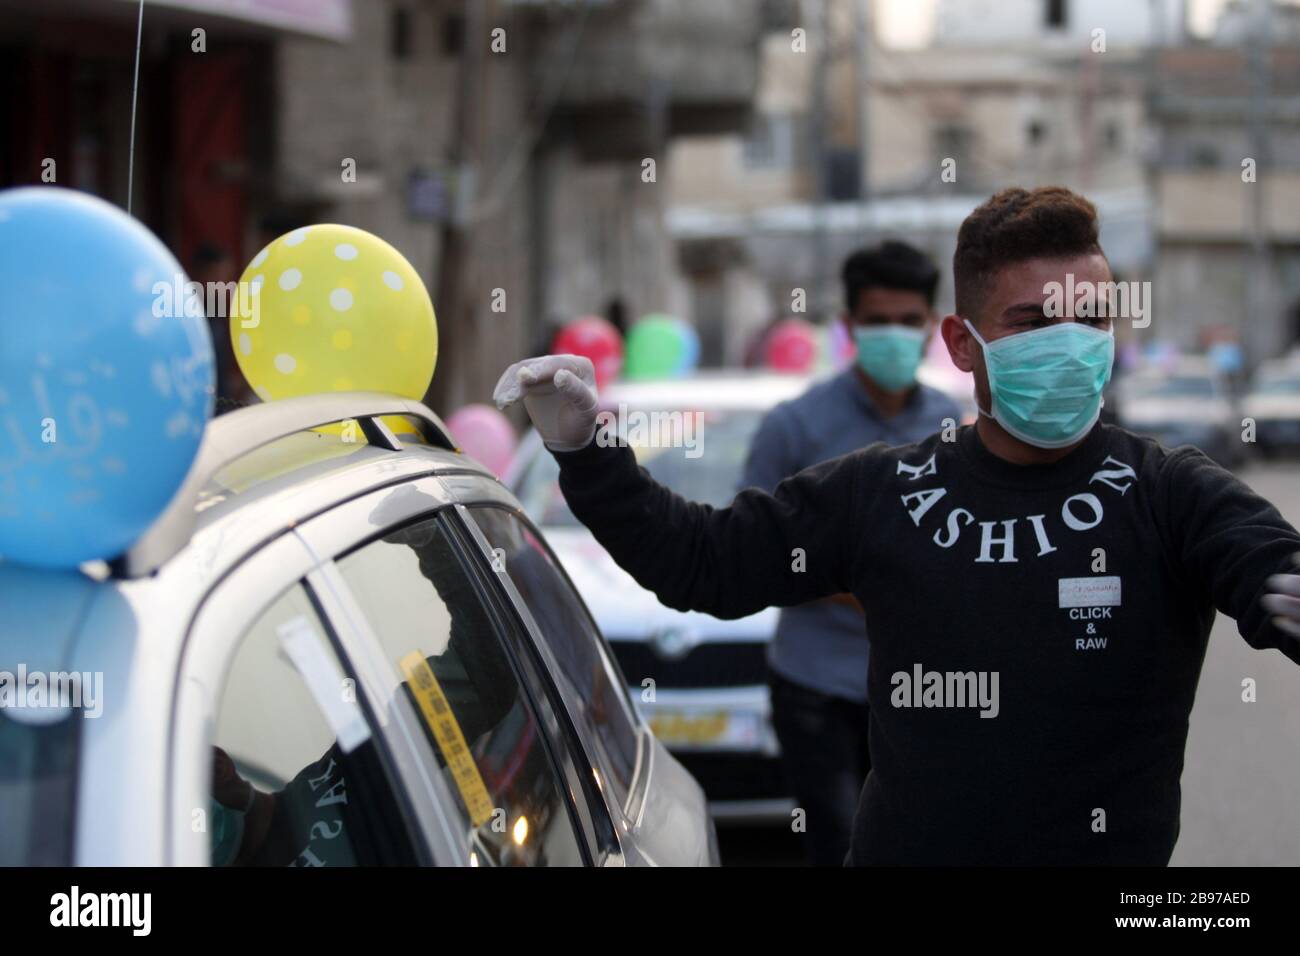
[(1039, 591), (818, 657)]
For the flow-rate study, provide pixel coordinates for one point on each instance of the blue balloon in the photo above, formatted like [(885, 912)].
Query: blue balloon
[(690, 348), (106, 377)]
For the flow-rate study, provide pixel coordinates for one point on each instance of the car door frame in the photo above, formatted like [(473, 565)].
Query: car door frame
[(218, 627), (486, 493), (353, 524), (584, 791)]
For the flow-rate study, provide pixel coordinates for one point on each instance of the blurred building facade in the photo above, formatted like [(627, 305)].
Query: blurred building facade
[(850, 140), (854, 142), (1225, 174), (542, 159), (509, 148), (1058, 24)]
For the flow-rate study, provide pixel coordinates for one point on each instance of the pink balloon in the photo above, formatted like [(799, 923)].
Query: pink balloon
[(484, 434), (791, 346)]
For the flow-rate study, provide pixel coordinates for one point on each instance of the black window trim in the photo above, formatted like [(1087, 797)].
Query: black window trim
[(607, 651), (601, 845), (449, 521), (637, 789)]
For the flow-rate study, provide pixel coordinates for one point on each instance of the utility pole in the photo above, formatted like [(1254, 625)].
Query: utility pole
[(863, 32), (455, 312), (1154, 152), (1259, 326), (821, 250), (1090, 89)]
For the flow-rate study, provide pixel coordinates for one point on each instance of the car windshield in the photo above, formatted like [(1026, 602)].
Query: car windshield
[(1279, 386), (710, 478), (37, 789)]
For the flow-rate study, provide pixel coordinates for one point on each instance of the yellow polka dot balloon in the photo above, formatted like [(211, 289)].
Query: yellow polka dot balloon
[(332, 308)]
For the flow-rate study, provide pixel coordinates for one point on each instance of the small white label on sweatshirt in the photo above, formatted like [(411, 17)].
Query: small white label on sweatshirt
[(1089, 592)]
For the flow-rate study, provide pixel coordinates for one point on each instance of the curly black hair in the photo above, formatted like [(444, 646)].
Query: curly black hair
[(1015, 225)]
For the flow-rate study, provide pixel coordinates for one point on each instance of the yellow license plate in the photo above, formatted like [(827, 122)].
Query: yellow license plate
[(706, 728), (689, 728)]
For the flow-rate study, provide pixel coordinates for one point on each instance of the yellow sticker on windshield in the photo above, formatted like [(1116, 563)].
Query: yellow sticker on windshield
[(451, 740)]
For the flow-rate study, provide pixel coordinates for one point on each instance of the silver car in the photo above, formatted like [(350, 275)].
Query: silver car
[(1188, 403), (1273, 403), (331, 652)]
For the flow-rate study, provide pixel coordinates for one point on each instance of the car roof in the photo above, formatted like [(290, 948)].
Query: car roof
[(257, 452), (257, 476), (224, 515)]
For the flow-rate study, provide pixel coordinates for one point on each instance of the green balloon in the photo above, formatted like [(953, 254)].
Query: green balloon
[(654, 348)]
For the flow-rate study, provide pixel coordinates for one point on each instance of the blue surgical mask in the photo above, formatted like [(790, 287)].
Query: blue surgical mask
[(1046, 383), (890, 354), (226, 831)]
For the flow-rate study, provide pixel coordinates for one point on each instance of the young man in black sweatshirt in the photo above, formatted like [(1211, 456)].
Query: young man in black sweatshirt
[(1039, 587)]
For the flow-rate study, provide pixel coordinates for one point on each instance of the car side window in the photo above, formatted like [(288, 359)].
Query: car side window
[(457, 672), (296, 777), (573, 638)]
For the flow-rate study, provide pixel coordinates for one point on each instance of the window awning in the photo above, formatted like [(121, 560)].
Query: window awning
[(329, 19)]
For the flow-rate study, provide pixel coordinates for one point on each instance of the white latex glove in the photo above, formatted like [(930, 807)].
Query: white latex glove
[(1283, 602), (559, 392)]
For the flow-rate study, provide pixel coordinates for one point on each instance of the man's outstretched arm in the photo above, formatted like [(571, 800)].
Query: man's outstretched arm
[(795, 545), (1236, 545)]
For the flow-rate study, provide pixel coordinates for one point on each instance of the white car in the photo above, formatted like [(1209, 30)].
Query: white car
[(330, 652), (1186, 404), (701, 682), (1273, 402)]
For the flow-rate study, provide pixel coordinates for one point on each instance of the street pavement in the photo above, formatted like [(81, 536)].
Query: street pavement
[(1241, 781)]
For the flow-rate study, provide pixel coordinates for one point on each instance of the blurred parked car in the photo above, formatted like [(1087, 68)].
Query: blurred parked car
[(700, 682), (1273, 401), (482, 719), (710, 702), (1185, 403)]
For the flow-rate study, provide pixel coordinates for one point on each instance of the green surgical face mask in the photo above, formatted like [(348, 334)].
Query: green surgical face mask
[(890, 354), (1046, 383)]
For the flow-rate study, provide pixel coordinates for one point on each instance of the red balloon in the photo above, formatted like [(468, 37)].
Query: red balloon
[(598, 340), (791, 346)]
